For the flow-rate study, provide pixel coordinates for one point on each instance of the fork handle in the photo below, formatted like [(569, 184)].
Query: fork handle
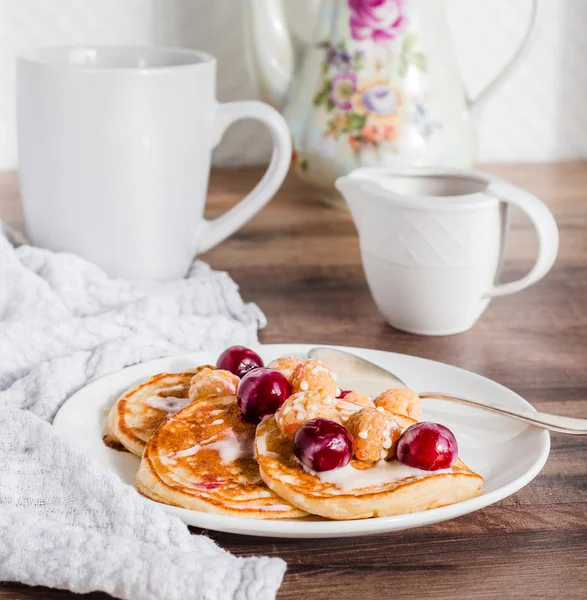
[(547, 421)]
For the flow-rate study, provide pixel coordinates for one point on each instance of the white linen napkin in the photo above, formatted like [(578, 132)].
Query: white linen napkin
[(64, 521)]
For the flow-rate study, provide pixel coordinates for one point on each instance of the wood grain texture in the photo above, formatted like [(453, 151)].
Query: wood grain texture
[(299, 260)]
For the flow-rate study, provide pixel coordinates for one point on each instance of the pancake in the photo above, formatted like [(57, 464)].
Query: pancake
[(137, 414), (354, 491), (202, 458)]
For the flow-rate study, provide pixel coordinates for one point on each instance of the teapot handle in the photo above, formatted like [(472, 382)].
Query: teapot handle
[(536, 14)]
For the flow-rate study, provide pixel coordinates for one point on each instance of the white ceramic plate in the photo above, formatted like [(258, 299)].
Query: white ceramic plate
[(506, 453)]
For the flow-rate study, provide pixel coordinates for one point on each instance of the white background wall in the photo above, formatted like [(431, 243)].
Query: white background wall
[(540, 115)]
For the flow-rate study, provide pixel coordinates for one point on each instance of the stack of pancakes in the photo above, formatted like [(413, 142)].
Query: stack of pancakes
[(199, 453)]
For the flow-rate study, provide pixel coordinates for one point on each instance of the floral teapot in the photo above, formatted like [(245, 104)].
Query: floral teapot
[(375, 83)]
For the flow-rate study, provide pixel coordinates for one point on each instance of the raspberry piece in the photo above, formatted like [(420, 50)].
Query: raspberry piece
[(286, 366), (400, 401), (313, 375), (351, 402), (375, 434), (303, 407), (212, 382)]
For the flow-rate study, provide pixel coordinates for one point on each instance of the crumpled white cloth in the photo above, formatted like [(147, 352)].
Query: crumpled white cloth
[(64, 521)]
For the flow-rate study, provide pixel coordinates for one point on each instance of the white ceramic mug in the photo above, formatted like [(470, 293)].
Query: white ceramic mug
[(433, 241), (115, 147)]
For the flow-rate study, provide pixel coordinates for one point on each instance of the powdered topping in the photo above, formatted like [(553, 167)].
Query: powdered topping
[(351, 403), (286, 366), (213, 382), (391, 434), (374, 434), (313, 375), (303, 407), (400, 401)]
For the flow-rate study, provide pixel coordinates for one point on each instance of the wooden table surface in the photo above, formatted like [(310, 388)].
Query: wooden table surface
[(299, 260)]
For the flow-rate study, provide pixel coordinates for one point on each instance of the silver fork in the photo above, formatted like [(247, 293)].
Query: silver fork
[(348, 363)]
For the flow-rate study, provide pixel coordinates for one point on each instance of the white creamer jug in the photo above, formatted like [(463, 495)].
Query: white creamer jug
[(432, 242)]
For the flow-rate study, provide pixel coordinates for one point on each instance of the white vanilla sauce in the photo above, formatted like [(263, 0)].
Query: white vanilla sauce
[(230, 447), (381, 473), (170, 404), (345, 405)]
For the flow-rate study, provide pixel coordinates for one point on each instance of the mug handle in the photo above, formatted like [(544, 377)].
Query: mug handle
[(546, 230), (212, 232)]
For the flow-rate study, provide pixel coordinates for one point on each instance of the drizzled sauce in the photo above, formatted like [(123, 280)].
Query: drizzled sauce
[(229, 446), (167, 402), (348, 479)]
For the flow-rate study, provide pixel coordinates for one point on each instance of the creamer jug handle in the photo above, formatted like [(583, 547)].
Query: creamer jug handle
[(546, 230), (536, 16)]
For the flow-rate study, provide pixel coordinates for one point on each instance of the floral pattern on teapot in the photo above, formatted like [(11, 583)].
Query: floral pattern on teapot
[(368, 83), (380, 20), (362, 93)]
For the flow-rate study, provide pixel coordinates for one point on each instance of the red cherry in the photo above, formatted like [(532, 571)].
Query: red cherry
[(239, 360), (344, 393), (261, 392), (323, 445), (428, 446)]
